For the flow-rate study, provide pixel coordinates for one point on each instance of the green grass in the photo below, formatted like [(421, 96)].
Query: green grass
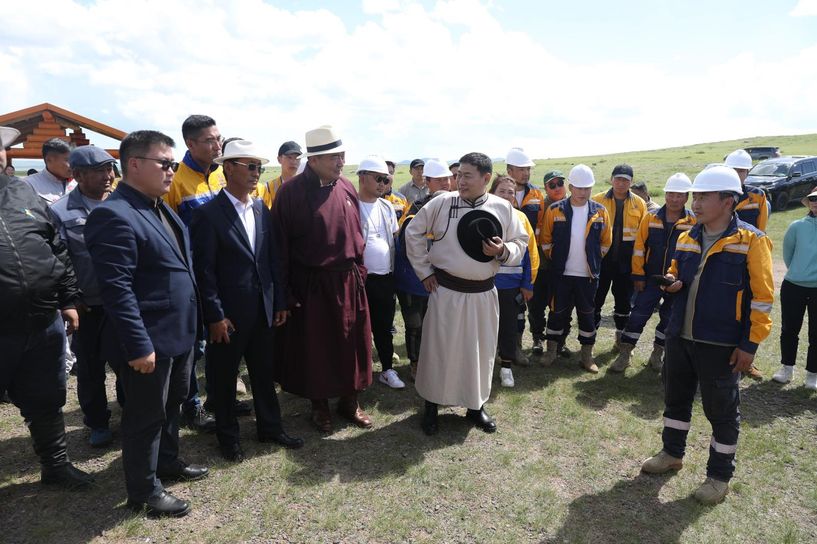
[(563, 467)]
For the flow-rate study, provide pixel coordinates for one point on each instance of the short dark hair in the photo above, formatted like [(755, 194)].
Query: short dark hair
[(31, 171), (194, 124), (391, 163), (55, 145), (138, 143), (500, 178), (480, 161), (454, 164)]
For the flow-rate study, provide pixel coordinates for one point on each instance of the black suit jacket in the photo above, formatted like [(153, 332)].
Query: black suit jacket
[(233, 280), (146, 282)]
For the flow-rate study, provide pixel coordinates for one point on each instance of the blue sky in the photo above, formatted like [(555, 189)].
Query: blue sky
[(425, 78)]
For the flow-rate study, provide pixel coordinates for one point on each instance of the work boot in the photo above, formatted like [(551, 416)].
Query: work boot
[(661, 462), (811, 380), (199, 419), (587, 359), (617, 342), (429, 423), (711, 492), (550, 354), (48, 435), (623, 359), (519, 358), (754, 373), (564, 351), (657, 357), (538, 346)]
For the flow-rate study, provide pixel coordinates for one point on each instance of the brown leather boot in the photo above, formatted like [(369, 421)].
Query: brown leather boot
[(349, 408), (321, 417)]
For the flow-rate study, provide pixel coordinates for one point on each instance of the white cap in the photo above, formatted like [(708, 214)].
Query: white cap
[(7, 136), (373, 163), (717, 178), (581, 176), (678, 183), (240, 149), (739, 158), (518, 157), (435, 168)]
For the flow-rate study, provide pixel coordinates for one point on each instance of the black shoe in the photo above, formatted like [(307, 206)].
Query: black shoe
[(482, 420), (199, 420), (67, 477), (242, 408), (183, 472), (282, 439), (163, 504), (564, 352), (232, 452), (429, 423)]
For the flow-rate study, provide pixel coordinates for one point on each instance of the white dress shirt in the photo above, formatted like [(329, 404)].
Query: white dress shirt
[(247, 216)]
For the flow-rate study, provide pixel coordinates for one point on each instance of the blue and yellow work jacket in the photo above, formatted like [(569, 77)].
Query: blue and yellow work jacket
[(752, 207), (555, 235), (735, 290), (522, 276), (532, 203), (654, 247), (192, 187), (634, 211)]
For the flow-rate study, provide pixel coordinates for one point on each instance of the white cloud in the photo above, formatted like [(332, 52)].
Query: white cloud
[(804, 8), (408, 81)]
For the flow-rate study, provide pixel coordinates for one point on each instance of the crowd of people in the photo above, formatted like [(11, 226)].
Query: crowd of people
[(300, 276)]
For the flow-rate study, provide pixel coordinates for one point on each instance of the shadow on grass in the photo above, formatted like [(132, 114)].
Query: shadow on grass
[(381, 452), (630, 511), (642, 390), (762, 403)]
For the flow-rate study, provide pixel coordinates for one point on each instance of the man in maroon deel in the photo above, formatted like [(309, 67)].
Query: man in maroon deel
[(325, 348)]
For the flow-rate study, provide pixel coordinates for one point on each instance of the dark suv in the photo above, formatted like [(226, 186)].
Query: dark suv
[(763, 153), (784, 179)]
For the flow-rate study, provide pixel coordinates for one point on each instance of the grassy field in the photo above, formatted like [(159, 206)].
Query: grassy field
[(563, 467)]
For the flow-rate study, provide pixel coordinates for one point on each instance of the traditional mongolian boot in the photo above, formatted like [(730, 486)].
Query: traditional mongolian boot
[(349, 408), (623, 359), (429, 423), (321, 417), (587, 359), (48, 434)]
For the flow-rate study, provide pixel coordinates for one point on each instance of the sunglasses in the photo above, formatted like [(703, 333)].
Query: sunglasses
[(252, 167), (166, 164), (812, 198), (558, 182), (379, 178)]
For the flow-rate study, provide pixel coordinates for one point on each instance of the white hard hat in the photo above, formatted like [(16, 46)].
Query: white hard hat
[(518, 157), (739, 158), (7, 136), (435, 168), (678, 183), (373, 163), (581, 176), (717, 178)]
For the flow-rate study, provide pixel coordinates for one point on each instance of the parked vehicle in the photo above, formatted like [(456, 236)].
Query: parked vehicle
[(784, 179), (763, 153)]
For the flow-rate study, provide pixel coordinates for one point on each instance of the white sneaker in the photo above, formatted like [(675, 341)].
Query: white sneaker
[(506, 377), (784, 374), (811, 380), (391, 379)]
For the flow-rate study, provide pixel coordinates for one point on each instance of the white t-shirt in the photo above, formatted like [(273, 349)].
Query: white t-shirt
[(576, 264), (379, 223), (520, 195)]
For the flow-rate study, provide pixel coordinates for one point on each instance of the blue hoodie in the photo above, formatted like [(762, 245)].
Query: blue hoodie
[(800, 252)]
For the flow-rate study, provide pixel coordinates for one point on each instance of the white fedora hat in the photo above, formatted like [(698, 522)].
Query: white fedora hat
[(7, 136), (322, 141), (240, 149)]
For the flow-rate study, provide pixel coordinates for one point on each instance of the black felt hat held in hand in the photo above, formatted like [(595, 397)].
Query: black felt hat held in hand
[(475, 227)]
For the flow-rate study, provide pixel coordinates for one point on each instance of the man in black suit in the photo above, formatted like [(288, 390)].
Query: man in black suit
[(141, 255), (242, 299)]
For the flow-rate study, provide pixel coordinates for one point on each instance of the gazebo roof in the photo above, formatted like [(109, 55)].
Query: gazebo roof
[(40, 123)]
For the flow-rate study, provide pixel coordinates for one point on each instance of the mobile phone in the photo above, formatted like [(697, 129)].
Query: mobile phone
[(661, 280)]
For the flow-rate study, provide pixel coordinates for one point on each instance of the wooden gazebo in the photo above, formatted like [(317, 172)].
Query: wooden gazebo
[(38, 124)]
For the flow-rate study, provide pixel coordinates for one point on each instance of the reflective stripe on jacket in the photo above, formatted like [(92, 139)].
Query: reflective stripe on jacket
[(735, 291), (752, 207), (634, 211), (555, 235), (654, 247), (524, 275)]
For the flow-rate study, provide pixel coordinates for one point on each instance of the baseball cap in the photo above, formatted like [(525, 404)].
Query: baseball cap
[(288, 148), (89, 156), (553, 174), (623, 171), (417, 162)]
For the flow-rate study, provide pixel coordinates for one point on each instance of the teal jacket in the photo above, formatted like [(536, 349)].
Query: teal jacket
[(800, 252)]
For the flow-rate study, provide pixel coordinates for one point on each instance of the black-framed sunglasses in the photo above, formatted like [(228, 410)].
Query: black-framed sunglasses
[(252, 167), (558, 182), (812, 198), (165, 163)]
